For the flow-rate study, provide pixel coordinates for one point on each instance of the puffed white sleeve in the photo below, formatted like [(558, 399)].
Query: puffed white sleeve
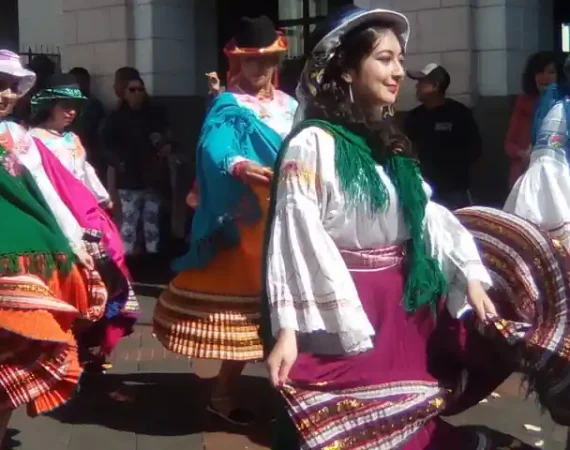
[(31, 159), (542, 194), (94, 184), (86, 173), (453, 246), (309, 286)]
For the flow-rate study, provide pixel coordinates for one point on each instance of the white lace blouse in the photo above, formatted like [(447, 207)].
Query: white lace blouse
[(68, 148), (313, 221)]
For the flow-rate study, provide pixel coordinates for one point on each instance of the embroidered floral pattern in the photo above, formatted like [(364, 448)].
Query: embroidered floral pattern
[(277, 113), (556, 141), (11, 164), (292, 169)]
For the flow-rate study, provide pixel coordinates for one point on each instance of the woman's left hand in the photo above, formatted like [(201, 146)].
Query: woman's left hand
[(480, 301)]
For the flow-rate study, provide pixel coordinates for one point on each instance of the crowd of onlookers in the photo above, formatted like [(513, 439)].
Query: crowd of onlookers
[(446, 137), (131, 149)]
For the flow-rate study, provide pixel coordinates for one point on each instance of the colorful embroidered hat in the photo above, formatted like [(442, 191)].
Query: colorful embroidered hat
[(328, 36), (10, 64), (59, 87), (256, 36)]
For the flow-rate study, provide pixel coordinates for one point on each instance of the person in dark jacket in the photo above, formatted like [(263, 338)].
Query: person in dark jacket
[(445, 136), (89, 121), (137, 145)]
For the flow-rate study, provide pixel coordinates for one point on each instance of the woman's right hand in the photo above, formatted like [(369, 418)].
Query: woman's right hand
[(85, 258), (214, 84), (253, 173), (282, 357)]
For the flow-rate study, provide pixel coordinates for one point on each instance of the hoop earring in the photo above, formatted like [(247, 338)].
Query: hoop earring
[(350, 95), (387, 111)]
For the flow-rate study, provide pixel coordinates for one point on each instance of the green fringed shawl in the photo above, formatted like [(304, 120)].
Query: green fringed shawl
[(30, 238), (356, 170)]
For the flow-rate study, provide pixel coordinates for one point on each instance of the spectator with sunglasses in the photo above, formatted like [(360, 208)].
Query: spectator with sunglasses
[(137, 144)]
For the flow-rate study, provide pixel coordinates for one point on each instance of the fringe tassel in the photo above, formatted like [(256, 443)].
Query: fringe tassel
[(425, 283), (39, 264)]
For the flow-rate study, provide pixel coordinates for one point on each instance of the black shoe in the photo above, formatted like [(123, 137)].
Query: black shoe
[(237, 416)]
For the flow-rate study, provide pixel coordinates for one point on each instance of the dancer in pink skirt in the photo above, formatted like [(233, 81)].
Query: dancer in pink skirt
[(370, 287)]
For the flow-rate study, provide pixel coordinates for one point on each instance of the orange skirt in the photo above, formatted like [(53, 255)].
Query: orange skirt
[(214, 312), (39, 365)]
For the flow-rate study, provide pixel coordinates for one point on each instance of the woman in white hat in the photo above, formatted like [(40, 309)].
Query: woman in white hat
[(359, 263), (15, 138)]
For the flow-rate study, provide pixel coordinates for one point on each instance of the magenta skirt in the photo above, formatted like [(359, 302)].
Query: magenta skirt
[(391, 396)]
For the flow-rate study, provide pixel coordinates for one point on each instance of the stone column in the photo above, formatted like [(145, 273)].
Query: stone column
[(507, 32), (96, 37), (184, 46), (171, 42)]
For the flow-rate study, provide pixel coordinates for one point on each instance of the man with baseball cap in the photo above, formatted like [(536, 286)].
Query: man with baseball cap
[(445, 136)]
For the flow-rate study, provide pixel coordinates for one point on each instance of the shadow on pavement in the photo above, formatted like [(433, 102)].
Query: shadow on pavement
[(165, 404), (10, 443), (500, 441)]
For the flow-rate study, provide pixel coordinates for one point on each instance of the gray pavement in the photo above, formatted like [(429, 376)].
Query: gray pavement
[(168, 413)]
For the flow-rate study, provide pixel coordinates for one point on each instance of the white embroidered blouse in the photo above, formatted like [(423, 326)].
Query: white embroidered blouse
[(68, 148), (542, 194), (313, 221)]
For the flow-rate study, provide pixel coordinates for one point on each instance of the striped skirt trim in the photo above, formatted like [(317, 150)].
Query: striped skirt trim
[(41, 375), (28, 308), (38, 356), (97, 294), (371, 417), (531, 288), (209, 326)]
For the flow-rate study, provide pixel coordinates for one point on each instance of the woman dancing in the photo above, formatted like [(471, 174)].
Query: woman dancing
[(211, 309), (542, 193), (63, 159), (42, 288), (359, 264)]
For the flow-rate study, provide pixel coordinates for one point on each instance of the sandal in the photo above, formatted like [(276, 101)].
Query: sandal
[(235, 416)]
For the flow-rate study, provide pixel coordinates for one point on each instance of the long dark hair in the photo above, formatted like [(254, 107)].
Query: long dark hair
[(332, 100), (41, 116), (535, 64)]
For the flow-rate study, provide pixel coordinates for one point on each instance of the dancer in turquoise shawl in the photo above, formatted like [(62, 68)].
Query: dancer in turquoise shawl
[(230, 134), (212, 308)]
